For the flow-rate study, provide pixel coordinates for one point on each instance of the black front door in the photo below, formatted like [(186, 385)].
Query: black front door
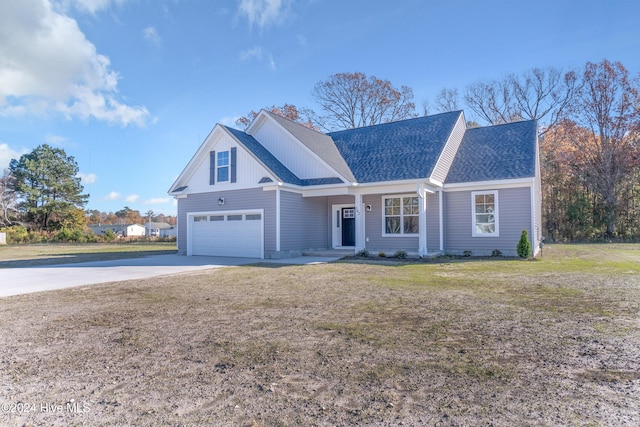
[(348, 227)]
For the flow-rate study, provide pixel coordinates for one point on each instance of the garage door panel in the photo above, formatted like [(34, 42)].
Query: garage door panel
[(229, 237)]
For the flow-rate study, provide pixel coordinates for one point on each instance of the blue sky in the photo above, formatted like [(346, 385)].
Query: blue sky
[(131, 88)]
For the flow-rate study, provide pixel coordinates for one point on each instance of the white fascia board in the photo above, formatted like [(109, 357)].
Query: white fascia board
[(498, 183), (461, 116), (186, 173), (397, 186), (408, 186)]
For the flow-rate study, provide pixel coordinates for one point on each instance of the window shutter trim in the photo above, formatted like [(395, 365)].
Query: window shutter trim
[(233, 163)]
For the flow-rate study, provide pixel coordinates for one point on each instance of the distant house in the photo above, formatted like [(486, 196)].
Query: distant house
[(425, 185), (120, 230), (160, 229)]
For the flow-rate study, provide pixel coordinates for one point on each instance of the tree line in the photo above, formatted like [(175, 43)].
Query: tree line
[(589, 130), (42, 199)]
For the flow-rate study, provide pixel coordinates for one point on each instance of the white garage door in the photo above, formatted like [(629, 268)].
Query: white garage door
[(234, 234)]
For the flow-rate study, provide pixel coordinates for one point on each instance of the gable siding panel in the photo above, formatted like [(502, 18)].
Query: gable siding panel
[(445, 161), (303, 222), (514, 210), (290, 152), (233, 200), (248, 171)]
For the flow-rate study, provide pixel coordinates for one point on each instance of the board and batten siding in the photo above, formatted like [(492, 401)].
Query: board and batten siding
[(293, 154), (441, 169), (234, 200), (514, 215), (303, 222)]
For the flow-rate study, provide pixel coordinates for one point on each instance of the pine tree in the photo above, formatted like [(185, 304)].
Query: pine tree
[(524, 246)]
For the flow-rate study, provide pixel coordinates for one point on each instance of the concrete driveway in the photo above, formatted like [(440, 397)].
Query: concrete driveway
[(16, 281)]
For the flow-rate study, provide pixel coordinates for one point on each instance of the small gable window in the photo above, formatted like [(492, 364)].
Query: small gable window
[(485, 214), (400, 216), (222, 165)]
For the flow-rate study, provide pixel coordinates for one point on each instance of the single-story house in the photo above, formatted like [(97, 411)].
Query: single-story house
[(424, 185), (122, 230), (160, 229)]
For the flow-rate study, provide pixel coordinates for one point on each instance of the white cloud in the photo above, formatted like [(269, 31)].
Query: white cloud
[(87, 178), (248, 55), (156, 201), (257, 54), (132, 198), (114, 195), (264, 13), (227, 121), (151, 35), (88, 6), (7, 154), (55, 139), (47, 65)]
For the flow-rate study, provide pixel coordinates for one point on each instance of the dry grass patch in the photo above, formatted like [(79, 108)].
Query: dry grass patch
[(462, 343)]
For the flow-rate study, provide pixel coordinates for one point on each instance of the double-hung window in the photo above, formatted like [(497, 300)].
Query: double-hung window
[(485, 214), (400, 215), (222, 165)]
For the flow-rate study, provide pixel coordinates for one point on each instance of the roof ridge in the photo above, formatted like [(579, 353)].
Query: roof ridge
[(396, 121)]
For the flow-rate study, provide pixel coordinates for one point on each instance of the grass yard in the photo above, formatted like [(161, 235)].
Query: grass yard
[(15, 256), (554, 341)]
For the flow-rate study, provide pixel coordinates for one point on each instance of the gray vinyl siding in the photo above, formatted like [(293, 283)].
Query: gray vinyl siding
[(433, 222), (514, 215), (303, 222), (445, 161), (254, 198), (373, 230)]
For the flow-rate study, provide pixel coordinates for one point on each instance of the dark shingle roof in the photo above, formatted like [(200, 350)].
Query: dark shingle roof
[(273, 164), (496, 152), (407, 149)]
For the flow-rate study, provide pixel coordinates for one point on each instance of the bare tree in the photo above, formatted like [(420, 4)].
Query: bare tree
[(605, 106), (543, 94), (351, 100), (537, 94), (288, 111), (8, 198), (491, 101), (447, 100)]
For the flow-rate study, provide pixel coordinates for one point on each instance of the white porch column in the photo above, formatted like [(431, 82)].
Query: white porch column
[(422, 221), (360, 243)]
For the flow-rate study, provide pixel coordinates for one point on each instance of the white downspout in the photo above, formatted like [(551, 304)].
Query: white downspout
[(441, 210), (422, 221), (360, 239), (278, 219)]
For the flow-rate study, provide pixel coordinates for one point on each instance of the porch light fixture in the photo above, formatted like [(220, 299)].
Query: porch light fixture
[(368, 208), (221, 201)]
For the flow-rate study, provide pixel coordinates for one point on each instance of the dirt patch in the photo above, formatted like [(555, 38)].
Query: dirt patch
[(334, 344)]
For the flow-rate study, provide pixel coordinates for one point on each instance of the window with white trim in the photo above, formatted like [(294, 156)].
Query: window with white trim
[(400, 216), (485, 214), (223, 166)]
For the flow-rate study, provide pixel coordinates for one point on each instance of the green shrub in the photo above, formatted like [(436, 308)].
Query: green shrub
[(363, 253), (400, 254), (16, 234), (467, 253), (524, 246), (496, 253), (381, 254), (109, 236)]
